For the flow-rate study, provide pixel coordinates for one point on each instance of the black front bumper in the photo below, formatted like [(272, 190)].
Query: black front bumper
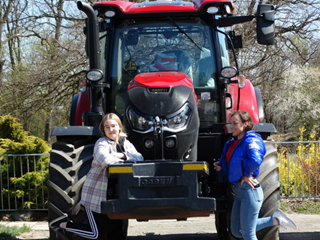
[(158, 190)]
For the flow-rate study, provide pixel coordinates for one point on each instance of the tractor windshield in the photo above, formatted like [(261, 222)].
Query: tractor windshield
[(166, 45)]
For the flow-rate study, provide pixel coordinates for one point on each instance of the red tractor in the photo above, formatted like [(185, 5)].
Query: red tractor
[(164, 68)]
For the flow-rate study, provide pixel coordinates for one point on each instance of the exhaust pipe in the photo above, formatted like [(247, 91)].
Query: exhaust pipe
[(92, 35), (93, 117)]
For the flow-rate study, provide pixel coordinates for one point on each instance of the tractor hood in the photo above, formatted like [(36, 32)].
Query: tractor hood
[(161, 80), (160, 93)]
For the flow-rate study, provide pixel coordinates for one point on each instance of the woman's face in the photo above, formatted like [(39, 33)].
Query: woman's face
[(237, 126), (111, 129)]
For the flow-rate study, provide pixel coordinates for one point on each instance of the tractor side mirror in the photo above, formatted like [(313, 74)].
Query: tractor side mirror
[(265, 24), (236, 40), (132, 37)]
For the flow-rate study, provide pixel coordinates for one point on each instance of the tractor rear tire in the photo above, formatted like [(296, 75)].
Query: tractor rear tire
[(70, 161), (269, 181)]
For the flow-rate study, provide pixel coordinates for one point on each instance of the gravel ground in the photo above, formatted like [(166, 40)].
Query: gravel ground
[(202, 228)]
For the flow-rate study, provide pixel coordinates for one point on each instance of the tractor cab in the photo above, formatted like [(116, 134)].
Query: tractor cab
[(145, 48), (166, 68), (164, 74)]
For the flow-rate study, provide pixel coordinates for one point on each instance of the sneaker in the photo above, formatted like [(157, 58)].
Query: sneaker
[(283, 220), (55, 224)]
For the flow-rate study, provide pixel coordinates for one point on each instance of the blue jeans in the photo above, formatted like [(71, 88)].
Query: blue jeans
[(245, 210)]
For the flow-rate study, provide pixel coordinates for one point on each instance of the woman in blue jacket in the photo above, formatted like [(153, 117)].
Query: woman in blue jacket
[(240, 163)]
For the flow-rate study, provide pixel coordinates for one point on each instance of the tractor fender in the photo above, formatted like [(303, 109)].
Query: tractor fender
[(75, 131), (248, 101), (260, 103), (83, 105)]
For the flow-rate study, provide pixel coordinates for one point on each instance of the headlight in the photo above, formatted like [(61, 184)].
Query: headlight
[(213, 10), (180, 120), (149, 143), (170, 143), (138, 122), (228, 72), (109, 14), (94, 75)]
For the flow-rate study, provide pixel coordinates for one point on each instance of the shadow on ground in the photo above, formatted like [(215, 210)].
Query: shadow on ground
[(300, 236), (214, 236), (6, 236), (199, 236)]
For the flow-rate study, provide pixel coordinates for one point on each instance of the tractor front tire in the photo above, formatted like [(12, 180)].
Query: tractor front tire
[(269, 181), (70, 161)]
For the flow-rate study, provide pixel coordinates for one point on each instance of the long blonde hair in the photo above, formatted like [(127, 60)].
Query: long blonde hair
[(113, 116)]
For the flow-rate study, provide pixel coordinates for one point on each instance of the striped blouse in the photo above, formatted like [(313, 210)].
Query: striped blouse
[(94, 190)]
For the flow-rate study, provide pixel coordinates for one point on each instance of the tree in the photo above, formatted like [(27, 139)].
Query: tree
[(268, 66), (5, 8), (297, 106), (41, 76)]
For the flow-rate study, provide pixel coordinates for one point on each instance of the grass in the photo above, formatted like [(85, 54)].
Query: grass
[(9, 233), (301, 205)]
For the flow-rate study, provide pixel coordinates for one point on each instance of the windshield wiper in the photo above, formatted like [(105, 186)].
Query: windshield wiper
[(183, 32)]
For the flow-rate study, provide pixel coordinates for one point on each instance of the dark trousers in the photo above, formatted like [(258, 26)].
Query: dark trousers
[(100, 227)]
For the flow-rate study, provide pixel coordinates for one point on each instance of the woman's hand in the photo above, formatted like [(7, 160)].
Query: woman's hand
[(249, 180), (216, 165), (118, 155)]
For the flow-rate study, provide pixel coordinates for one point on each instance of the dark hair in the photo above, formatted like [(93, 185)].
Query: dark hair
[(117, 119), (245, 117)]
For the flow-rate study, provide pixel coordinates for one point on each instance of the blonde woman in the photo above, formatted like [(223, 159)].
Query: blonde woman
[(111, 148)]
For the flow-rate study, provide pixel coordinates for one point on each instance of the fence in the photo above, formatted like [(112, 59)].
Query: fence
[(299, 168), (23, 181), (23, 177)]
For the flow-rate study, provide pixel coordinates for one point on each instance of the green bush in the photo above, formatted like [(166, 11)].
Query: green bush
[(27, 175), (9, 233)]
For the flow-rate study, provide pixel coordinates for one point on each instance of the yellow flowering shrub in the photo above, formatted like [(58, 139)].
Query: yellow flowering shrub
[(299, 171)]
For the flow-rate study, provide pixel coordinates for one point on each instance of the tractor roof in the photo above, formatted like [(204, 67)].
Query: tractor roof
[(125, 9)]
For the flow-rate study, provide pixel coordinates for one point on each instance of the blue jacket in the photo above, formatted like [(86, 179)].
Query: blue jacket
[(250, 150)]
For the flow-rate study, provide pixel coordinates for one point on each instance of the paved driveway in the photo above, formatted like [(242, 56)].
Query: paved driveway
[(194, 229), (204, 229)]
